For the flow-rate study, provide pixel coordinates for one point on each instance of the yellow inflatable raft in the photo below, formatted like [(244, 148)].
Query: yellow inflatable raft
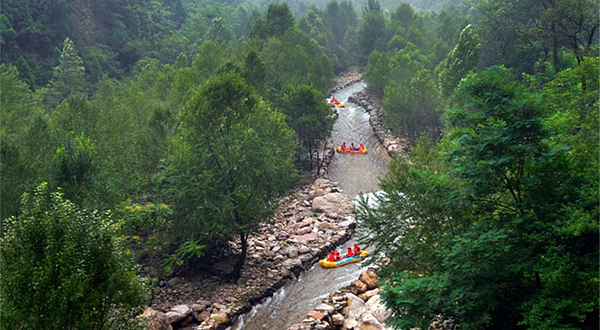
[(344, 261), (340, 105)]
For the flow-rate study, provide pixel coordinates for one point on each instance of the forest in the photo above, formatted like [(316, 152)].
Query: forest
[(128, 132)]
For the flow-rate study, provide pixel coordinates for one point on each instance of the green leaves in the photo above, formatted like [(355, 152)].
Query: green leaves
[(63, 268)]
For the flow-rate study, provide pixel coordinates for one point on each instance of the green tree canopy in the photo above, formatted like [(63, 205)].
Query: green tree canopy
[(64, 268), (229, 161)]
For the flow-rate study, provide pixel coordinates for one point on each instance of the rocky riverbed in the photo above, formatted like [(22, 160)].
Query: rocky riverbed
[(356, 306), (307, 225)]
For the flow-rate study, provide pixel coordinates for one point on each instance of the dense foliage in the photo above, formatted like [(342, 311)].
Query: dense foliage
[(189, 119), (64, 268), (488, 229)]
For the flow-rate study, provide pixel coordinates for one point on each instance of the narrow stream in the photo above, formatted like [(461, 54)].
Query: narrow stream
[(356, 174)]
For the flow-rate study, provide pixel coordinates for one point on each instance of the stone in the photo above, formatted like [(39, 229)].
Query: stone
[(174, 281), (347, 224), (356, 307), (291, 263), (324, 308), (305, 238), (182, 309), (304, 249), (174, 317), (303, 231), (325, 226), (377, 309), (155, 320), (371, 293), (333, 204), (369, 322), (316, 315), (220, 317), (359, 285), (337, 319), (291, 252), (370, 278), (205, 315)]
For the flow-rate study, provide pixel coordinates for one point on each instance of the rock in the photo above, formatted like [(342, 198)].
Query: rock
[(291, 252), (333, 204), (347, 224), (356, 307), (291, 263), (377, 309), (155, 320), (304, 249), (359, 285), (205, 315), (174, 317), (370, 293), (303, 231), (325, 226), (174, 281), (182, 309), (337, 319), (220, 317), (316, 315), (305, 238), (324, 308), (369, 322), (370, 279)]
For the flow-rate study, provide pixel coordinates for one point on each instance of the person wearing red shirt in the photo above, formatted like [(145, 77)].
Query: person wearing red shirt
[(349, 254)]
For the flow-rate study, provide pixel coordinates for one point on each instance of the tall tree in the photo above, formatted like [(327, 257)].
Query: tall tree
[(372, 32), (461, 59), (310, 117), (69, 74), (230, 160)]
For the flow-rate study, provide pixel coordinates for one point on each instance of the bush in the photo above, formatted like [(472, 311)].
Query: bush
[(65, 268)]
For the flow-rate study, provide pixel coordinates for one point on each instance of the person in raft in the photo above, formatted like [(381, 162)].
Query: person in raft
[(344, 145), (353, 147), (361, 147), (331, 256), (349, 254), (356, 248), (337, 256)]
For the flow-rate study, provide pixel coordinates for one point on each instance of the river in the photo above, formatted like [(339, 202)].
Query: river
[(356, 174)]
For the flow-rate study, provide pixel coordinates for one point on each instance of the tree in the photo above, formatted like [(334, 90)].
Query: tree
[(64, 268), (461, 59), (279, 19), (487, 229), (229, 161), (371, 33), (310, 117), (69, 74)]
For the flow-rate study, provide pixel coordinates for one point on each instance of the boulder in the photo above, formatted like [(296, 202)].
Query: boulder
[(356, 307), (316, 315), (359, 285), (305, 238), (155, 320), (304, 249), (174, 281), (337, 319), (220, 317), (324, 226), (324, 308), (304, 231), (182, 309), (369, 322), (291, 252), (174, 317), (377, 309), (333, 204), (370, 279)]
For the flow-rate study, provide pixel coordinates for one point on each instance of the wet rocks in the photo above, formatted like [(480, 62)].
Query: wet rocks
[(297, 237), (345, 310)]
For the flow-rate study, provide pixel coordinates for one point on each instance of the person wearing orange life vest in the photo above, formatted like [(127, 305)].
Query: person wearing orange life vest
[(356, 248), (353, 147), (361, 148), (344, 145), (331, 256), (337, 256), (349, 254)]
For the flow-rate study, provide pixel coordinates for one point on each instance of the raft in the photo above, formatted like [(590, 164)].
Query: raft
[(340, 105), (344, 261), (349, 151)]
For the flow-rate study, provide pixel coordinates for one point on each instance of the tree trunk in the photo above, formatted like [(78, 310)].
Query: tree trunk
[(237, 269)]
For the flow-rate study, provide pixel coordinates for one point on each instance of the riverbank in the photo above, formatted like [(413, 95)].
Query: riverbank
[(394, 145), (307, 225), (356, 306)]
